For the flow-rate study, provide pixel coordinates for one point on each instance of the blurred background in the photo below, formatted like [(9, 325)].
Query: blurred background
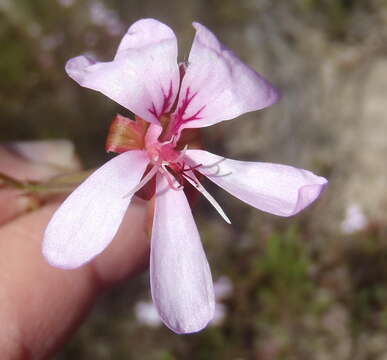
[(309, 287)]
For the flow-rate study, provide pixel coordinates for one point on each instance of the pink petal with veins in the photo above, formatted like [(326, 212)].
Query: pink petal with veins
[(89, 218), (181, 280), (144, 75), (217, 85), (277, 189)]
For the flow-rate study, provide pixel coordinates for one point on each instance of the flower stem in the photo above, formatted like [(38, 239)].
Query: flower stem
[(59, 184)]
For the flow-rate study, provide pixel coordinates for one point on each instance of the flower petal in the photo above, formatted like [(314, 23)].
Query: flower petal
[(89, 218), (277, 189), (143, 77), (217, 85), (181, 280)]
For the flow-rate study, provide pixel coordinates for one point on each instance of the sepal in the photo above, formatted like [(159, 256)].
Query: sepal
[(126, 134)]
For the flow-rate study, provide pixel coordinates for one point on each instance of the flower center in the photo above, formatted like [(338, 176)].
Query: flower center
[(170, 162), (166, 154), (160, 153), (167, 160)]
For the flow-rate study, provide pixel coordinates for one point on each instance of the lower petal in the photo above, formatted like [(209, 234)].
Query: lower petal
[(89, 218), (277, 189), (181, 280)]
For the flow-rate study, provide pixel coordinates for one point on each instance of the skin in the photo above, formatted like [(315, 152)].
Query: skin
[(41, 306)]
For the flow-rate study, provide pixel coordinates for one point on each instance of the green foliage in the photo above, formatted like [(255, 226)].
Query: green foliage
[(284, 273), (367, 261)]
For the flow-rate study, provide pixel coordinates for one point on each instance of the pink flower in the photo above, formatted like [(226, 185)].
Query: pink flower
[(213, 86)]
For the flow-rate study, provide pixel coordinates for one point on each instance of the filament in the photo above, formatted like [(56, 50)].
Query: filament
[(195, 182), (144, 181)]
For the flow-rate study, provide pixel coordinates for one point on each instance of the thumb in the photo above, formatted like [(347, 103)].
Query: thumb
[(41, 306)]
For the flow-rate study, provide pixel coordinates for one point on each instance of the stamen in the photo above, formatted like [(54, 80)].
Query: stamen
[(144, 181), (195, 182), (216, 163), (170, 178), (190, 167), (217, 169)]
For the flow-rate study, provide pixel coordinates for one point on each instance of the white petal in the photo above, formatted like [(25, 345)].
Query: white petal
[(143, 77), (181, 280), (277, 189), (89, 218)]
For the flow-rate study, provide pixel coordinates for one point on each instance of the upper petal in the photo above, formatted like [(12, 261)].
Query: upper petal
[(277, 189), (144, 75), (181, 280), (217, 85), (89, 218), (143, 33)]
